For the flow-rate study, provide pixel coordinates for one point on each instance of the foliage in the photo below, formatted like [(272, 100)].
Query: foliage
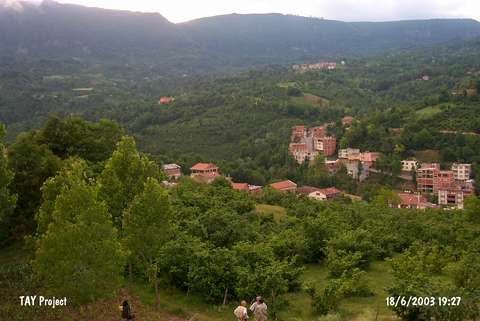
[(32, 164), (124, 176), (79, 256), (7, 199), (146, 228)]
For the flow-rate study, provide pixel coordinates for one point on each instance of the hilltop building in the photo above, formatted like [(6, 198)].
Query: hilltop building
[(450, 186), (286, 186), (204, 172), (172, 171), (165, 100), (451, 198), (348, 121), (358, 163), (410, 165), (246, 187), (319, 194), (461, 172), (324, 65), (307, 143), (413, 201)]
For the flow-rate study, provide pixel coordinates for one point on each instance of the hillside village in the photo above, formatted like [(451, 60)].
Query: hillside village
[(449, 187), (434, 187)]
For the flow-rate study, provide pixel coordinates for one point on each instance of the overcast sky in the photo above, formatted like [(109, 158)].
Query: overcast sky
[(348, 10)]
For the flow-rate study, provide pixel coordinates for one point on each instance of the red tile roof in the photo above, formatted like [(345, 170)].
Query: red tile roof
[(283, 185), (411, 199), (369, 156), (331, 191), (240, 186), (203, 166), (307, 190)]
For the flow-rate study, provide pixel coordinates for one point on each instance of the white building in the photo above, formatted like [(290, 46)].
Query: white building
[(409, 165), (461, 172), (344, 153), (451, 198)]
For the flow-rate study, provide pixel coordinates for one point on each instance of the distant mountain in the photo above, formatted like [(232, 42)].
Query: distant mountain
[(284, 37), (54, 29), (51, 29)]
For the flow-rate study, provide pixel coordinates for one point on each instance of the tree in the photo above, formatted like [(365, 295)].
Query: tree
[(146, 229), (73, 171), (74, 136), (386, 197), (294, 91), (79, 256), (410, 279), (7, 199), (32, 164), (262, 273), (212, 273), (124, 177), (472, 207), (317, 173)]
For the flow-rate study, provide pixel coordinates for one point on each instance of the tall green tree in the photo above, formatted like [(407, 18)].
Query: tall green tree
[(32, 164), (146, 229), (79, 256), (386, 197), (74, 136), (317, 173), (124, 177), (73, 171), (7, 199)]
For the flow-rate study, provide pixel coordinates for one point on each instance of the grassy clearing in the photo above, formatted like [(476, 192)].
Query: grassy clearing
[(428, 156), (287, 84), (311, 101), (277, 212), (428, 112), (378, 279)]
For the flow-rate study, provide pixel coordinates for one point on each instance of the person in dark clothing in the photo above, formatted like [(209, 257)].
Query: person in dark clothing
[(126, 311)]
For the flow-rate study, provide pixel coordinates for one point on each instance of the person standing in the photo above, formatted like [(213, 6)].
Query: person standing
[(259, 309), (241, 311), (126, 311)]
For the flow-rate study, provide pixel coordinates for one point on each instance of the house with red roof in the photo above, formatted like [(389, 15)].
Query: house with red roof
[(246, 187), (204, 172), (325, 194), (319, 194), (413, 201), (172, 171), (240, 186), (285, 186), (165, 100)]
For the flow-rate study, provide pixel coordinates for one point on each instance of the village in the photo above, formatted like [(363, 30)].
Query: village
[(434, 187)]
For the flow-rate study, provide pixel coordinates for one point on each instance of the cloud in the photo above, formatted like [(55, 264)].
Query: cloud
[(17, 5), (348, 10), (374, 10)]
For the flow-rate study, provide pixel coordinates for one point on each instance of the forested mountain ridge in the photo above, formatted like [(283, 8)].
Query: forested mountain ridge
[(54, 30)]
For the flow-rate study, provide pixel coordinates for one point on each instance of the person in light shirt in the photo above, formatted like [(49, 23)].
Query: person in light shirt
[(259, 309), (241, 311)]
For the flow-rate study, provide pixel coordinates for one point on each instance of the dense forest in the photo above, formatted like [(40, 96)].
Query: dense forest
[(55, 30), (242, 121)]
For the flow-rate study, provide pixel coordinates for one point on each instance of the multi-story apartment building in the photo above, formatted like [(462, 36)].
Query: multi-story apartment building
[(461, 172), (327, 145), (426, 177), (409, 165), (451, 197)]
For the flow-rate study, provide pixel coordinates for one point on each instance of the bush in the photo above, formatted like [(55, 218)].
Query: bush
[(294, 91), (353, 284), (339, 262), (326, 301)]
